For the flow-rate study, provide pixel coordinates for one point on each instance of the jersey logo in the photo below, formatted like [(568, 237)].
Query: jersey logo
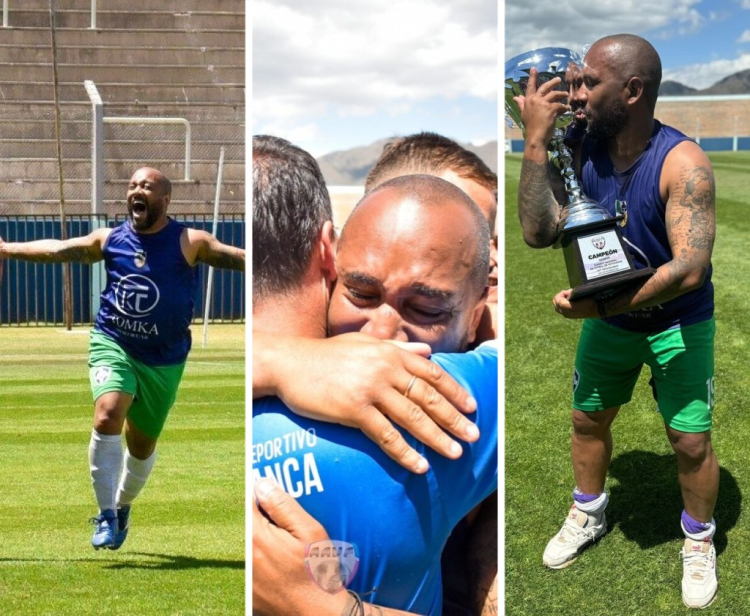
[(102, 374), (139, 258), (331, 564), (136, 296)]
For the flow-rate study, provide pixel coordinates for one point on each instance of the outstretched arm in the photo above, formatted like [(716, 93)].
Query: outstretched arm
[(86, 249), (202, 247), (359, 381), (688, 180)]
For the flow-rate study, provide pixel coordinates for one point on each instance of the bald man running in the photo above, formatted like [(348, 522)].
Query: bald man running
[(141, 337)]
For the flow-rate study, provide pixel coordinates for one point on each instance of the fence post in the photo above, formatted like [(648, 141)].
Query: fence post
[(97, 187)]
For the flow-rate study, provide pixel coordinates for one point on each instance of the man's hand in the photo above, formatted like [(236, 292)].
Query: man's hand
[(541, 107), (584, 308), (281, 584), (359, 381)]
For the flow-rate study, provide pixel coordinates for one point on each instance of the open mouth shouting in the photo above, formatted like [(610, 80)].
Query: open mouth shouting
[(139, 208)]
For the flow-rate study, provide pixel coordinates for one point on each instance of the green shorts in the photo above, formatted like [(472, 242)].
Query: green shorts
[(609, 360), (154, 387)]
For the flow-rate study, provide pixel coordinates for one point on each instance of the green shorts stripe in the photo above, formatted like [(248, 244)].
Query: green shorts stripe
[(154, 387), (609, 360)]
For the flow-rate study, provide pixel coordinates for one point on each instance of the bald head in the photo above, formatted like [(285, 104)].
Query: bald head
[(628, 56), (412, 265), (430, 198)]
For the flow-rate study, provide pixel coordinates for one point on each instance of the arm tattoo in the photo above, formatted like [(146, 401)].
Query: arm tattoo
[(538, 210), (491, 607), (698, 198), (233, 259)]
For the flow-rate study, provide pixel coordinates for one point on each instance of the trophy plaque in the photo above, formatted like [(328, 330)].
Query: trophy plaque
[(597, 261)]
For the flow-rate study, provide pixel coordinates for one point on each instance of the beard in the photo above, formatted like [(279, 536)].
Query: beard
[(608, 122)]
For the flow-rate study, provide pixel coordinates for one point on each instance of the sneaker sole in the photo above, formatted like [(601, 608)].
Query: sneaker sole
[(575, 556), (701, 607)]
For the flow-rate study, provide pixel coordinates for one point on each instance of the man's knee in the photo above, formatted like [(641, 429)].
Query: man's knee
[(595, 425), (691, 449), (110, 411)]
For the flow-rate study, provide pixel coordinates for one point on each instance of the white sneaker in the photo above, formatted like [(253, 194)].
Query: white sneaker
[(699, 581), (578, 531)]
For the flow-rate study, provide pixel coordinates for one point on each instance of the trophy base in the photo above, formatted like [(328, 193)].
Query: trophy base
[(610, 286)]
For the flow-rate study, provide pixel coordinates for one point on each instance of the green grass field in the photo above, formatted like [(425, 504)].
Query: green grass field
[(186, 550), (635, 569)]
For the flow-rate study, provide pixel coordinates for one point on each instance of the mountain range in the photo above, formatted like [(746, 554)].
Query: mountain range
[(738, 83), (350, 167)]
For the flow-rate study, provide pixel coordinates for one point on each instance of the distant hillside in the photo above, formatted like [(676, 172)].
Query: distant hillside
[(739, 83), (350, 167)]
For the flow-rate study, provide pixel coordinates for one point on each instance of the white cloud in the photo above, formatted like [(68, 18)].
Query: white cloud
[(705, 75), (318, 57), (744, 37), (530, 25)]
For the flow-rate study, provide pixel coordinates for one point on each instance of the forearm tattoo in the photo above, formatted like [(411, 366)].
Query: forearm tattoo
[(233, 259), (538, 210), (491, 607)]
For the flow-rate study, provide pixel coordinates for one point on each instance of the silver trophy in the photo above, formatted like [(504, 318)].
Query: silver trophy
[(597, 262)]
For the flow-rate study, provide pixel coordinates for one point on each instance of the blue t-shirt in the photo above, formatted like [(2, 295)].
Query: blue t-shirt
[(646, 229), (147, 303), (398, 520)]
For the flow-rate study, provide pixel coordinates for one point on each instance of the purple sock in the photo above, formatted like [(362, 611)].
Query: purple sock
[(694, 527), (580, 497)]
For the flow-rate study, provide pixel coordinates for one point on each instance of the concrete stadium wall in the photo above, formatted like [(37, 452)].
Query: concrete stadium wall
[(708, 118)]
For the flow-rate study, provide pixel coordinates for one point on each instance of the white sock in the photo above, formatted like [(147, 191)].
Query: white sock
[(706, 534), (595, 507), (134, 476), (105, 462)]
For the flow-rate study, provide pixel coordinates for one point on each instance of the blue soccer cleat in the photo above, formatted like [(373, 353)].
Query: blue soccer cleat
[(123, 524), (106, 529)]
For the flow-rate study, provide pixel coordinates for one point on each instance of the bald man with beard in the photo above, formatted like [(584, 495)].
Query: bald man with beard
[(141, 337), (628, 161)]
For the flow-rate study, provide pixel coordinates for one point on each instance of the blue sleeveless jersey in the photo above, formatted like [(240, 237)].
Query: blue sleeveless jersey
[(646, 229), (399, 521), (147, 304)]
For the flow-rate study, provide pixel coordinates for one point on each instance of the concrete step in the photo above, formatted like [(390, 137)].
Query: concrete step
[(144, 21), (177, 6), (200, 170), (215, 111), (81, 129), (40, 189), (112, 55), (127, 93), (122, 37), (123, 72), (80, 207)]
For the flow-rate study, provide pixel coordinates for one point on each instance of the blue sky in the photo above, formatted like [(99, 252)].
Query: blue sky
[(334, 74), (699, 41)]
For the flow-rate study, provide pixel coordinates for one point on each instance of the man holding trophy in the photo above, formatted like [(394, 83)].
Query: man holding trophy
[(632, 208)]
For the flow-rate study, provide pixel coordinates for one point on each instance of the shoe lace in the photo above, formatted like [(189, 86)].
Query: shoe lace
[(699, 563), (573, 530)]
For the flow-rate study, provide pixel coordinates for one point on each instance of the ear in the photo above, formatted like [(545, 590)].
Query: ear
[(635, 90), (166, 199), (327, 251), (476, 316)]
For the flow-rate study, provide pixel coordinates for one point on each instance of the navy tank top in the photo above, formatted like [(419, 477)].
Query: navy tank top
[(645, 231), (147, 303)]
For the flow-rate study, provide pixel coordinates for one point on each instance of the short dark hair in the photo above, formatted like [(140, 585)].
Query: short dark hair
[(290, 206), (432, 191), (431, 154)]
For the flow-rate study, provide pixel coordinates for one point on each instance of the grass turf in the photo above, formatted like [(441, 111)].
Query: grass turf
[(185, 553), (635, 568)]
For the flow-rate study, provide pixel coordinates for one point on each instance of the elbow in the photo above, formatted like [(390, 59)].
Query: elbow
[(694, 279), (537, 240)]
